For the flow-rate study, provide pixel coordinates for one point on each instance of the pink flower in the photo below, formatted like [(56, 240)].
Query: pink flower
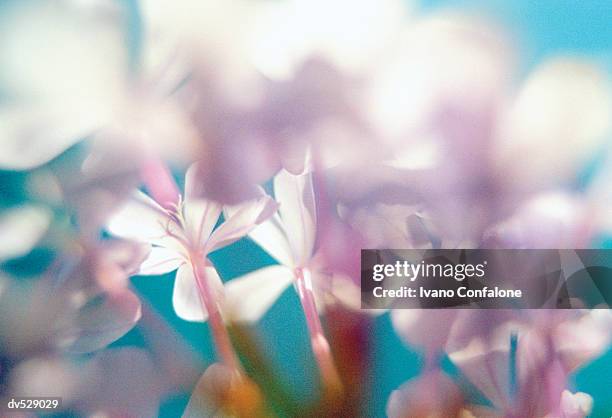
[(522, 367)]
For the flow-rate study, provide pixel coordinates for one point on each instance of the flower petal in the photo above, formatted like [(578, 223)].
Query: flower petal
[(576, 405), (432, 394), (295, 195), (20, 229), (251, 295), (186, 297), (426, 329), (243, 221), (101, 321), (271, 237), (160, 261), (201, 216), (140, 218)]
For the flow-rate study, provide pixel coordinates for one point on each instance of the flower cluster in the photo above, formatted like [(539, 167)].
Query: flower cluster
[(313, 129)]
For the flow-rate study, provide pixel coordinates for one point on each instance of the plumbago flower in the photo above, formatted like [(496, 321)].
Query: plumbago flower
[(522, 370), (289, 237), (181, 237), (520, 365)]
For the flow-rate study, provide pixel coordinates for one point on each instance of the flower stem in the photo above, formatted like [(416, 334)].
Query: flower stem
[(320, 345), (220, 335)]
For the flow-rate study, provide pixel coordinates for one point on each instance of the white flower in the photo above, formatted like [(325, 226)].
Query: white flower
[(289, 237), (64, 91), (184, 235)]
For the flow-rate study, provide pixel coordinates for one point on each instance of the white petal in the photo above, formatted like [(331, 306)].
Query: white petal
[(101, 321), (271, 237), (251, 295), (20, 229), (160, 261), (140, 218), (295, 195), (243, 221), (201, 217), (186, 298)]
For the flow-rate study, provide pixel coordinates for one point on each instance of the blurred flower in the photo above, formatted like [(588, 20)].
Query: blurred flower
[(575, 405), (72, 309), (100, 95), (426, 329), (462, 148), (287, 33), (114, 382), (309, 120), (522, 367)]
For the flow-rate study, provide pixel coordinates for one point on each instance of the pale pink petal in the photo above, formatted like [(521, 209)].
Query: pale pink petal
[(100, 322), (582, 340), (575, 405), (336, 288), (201, 216), (486, 363), (140, 219), (297, 209), (426, 329), (431, 395), (243, 221), (120, 382), (269, 235), (250, 296), (21, 228), (215, 380), (160, 261)]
